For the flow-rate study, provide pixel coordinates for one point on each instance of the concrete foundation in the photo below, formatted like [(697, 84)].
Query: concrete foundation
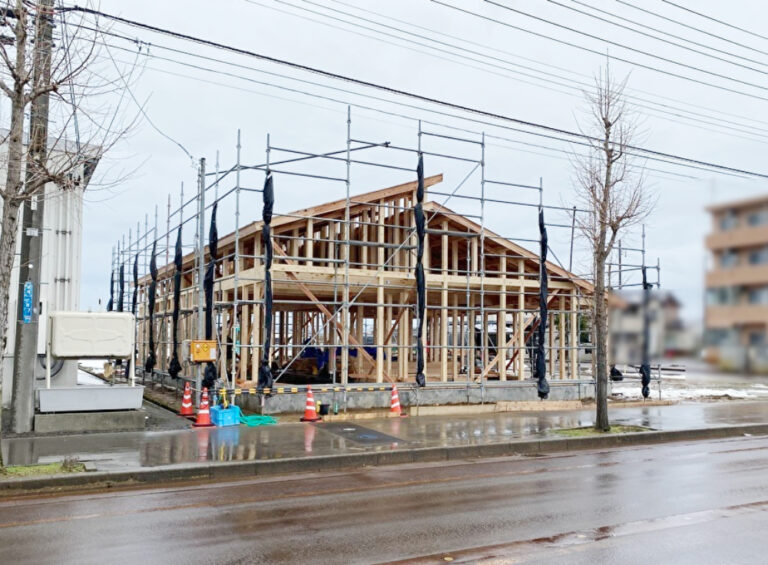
[(410, 397), (82, 422)]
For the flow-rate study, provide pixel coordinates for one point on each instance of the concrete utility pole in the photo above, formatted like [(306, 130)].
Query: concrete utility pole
[(25, 346)]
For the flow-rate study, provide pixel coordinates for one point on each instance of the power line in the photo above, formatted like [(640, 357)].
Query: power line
[(715, 19), (645, 34), (668, 34), (675, 112), (595, 52), (694, 28), (404, 93), (627, 47), (548, 82), (464, 40)]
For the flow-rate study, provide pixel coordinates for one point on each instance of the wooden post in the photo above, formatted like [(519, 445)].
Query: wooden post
[(258, 321), (388, 317), (359, 328), (245, 320), (521, 320), (444, 330), (574, 347), (561, 338), (364, 248), (309, 241), (501, 324), (455, 337), (379, 329), (551, 354)]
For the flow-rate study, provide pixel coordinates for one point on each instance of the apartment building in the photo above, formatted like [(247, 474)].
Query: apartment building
[(736, 309)]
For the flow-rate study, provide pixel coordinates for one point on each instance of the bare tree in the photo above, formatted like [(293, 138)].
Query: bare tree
[(64, 74), (611, 187)]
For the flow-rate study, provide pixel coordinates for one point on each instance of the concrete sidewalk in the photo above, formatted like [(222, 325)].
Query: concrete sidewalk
[(291, 447)]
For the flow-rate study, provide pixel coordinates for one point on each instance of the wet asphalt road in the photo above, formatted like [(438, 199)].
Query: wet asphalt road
[(700, 502)]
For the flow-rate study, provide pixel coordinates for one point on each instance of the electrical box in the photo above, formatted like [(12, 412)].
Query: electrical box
[(79, 335), (202, 351)]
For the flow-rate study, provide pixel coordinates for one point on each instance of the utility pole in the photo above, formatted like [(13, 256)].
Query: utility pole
[(27, 323)]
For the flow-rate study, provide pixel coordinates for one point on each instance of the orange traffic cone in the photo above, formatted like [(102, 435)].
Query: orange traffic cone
[(310, 412), (394, 403), (186, 402), (203, 412)]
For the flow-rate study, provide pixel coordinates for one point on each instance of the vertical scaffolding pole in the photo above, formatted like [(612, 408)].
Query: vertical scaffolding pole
[(484, 338), (345, 311), (200, 270), (235, 306)]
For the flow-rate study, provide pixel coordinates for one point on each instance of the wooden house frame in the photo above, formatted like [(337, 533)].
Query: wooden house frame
[(357, 257)]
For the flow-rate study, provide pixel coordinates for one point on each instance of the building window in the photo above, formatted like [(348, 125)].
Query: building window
[(757, 338), (722, 296), (758, 217), (729, 259), (728, 220), (759, 256), (758, 295)]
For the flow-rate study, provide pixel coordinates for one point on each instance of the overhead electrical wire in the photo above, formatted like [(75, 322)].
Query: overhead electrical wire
[(688, 26), (645, 34), (467, 41), (627, 47), (395, 91), (668, 34), (581, 88), (710, 18), (601, 54), (408, 118)]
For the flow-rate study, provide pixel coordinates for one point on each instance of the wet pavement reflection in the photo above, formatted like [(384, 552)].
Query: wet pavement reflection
[(126, 451)]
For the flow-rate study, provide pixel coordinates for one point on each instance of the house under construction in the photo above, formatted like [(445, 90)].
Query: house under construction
[(344, 294)]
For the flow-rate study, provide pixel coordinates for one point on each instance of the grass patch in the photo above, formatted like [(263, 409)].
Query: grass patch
[(590, 431), (69, 465)]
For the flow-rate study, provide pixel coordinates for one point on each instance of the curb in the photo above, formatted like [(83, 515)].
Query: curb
[(325, 463)]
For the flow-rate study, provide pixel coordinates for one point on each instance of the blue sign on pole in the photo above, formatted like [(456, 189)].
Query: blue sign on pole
[(26, 312)]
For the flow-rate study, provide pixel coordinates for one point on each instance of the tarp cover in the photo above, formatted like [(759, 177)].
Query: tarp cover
[(645, 366), (111, 303), (149, 364), (135, 284), (540, 373), (268, 197), (121, 288), (174, 367), (213, 247), (421, 301)]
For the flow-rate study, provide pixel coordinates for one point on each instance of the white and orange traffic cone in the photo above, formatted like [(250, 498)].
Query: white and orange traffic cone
[(394, 403), (186, 402), (310, 411), (203, 412)]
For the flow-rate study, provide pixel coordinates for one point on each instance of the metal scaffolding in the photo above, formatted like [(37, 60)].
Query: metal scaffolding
[(343, 276)]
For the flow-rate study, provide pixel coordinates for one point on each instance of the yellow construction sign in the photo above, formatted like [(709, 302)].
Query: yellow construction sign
[(202, 351)]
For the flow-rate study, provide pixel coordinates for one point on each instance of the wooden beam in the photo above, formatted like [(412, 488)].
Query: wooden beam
[(320, 306), (535, 325)]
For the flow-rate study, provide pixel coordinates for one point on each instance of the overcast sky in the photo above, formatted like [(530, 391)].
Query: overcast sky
[(500, 70)]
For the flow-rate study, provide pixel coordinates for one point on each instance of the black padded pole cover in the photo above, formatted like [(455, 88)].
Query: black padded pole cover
[(174, 367), (265, 379), (540, 372), (149, 364), (645, 366)]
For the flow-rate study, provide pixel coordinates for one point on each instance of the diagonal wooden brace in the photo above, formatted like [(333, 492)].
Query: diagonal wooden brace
[(320, 306)]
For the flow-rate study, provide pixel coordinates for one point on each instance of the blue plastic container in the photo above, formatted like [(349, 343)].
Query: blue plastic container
[(225, 416)]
